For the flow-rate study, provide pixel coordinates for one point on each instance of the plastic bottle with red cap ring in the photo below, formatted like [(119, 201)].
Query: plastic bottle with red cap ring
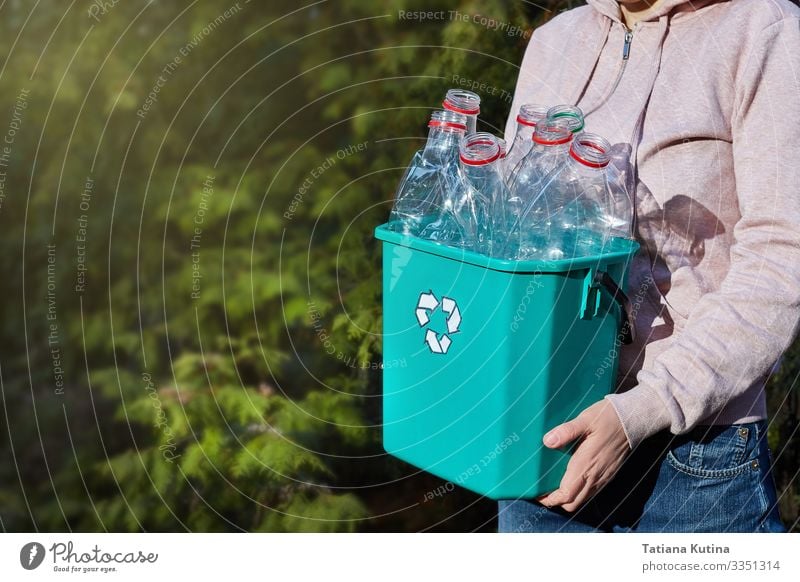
[(550, 146), (527, 118), (474, 199), (464, 102), (433, 170), (481, 156), (572, 215)]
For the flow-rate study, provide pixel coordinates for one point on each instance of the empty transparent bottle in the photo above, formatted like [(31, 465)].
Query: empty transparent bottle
[(432, 171), (569, 217), (549, 151), (466, 103), (473, 198), (620, 214), (550, 144), (527, 118)]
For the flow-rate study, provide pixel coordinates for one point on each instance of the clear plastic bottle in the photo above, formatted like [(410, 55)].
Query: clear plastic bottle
[(569, 216), (473, 198), (527, 118), (433, 169), (619, 174), (571, 114), (464, 102), (481, 157), (549, 151)]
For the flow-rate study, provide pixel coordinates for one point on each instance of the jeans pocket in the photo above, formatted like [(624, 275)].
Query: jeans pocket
[(716, 452)]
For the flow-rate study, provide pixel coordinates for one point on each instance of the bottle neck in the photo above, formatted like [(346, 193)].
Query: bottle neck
[(562, 148), (442, 141), (466, 103), (572, 116), (471, 119), (482, 171), (481, 156), (552, 136), (590, 151), (580, 169), (530, 114), (524, 132)]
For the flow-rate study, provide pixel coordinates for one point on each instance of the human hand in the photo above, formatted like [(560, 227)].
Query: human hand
[(602, 448)]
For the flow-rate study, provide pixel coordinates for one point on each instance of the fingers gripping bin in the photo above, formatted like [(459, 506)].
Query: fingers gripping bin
[(483, 356)]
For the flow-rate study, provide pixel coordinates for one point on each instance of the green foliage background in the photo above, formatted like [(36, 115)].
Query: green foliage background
[(255, 406)]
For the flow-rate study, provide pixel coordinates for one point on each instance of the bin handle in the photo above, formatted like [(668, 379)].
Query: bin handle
[(627, 329)]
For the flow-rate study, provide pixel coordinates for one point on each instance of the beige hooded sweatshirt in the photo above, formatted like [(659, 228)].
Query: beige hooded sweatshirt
[(708, 95)]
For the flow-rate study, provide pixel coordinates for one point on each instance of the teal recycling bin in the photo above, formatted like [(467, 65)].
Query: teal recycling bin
[(481, 357)]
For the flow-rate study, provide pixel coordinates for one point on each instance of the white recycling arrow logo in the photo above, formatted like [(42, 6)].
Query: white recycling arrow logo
[(426, 306), (453, 314), (427, 303)]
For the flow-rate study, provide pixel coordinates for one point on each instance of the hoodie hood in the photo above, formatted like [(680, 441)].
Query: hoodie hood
[(611, 8)]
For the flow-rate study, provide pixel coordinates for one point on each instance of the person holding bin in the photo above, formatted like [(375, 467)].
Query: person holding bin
[(708, 95)]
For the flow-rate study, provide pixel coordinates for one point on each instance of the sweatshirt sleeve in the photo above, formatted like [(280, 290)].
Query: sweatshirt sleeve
[(734, 335)]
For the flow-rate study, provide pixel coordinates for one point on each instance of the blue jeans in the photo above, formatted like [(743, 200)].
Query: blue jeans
[(712, 479)]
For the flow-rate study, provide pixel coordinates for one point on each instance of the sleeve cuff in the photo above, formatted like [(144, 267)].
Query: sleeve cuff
[(641, 412)]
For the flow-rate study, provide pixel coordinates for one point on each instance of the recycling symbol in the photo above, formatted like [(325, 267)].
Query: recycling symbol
[(426, 306)]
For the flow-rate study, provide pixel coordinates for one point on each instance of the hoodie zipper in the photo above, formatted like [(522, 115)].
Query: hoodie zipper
[(626, 47)]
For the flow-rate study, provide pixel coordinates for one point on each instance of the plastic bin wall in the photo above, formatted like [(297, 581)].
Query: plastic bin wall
[(483, 356)]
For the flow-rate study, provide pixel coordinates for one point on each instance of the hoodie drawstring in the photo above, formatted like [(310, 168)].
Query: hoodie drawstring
[(602, 40), (636, 135)]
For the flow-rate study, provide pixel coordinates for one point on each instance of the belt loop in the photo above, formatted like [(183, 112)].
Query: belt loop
[(696, 455)]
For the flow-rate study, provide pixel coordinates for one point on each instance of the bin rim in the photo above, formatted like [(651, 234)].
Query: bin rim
[(629, 248)]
